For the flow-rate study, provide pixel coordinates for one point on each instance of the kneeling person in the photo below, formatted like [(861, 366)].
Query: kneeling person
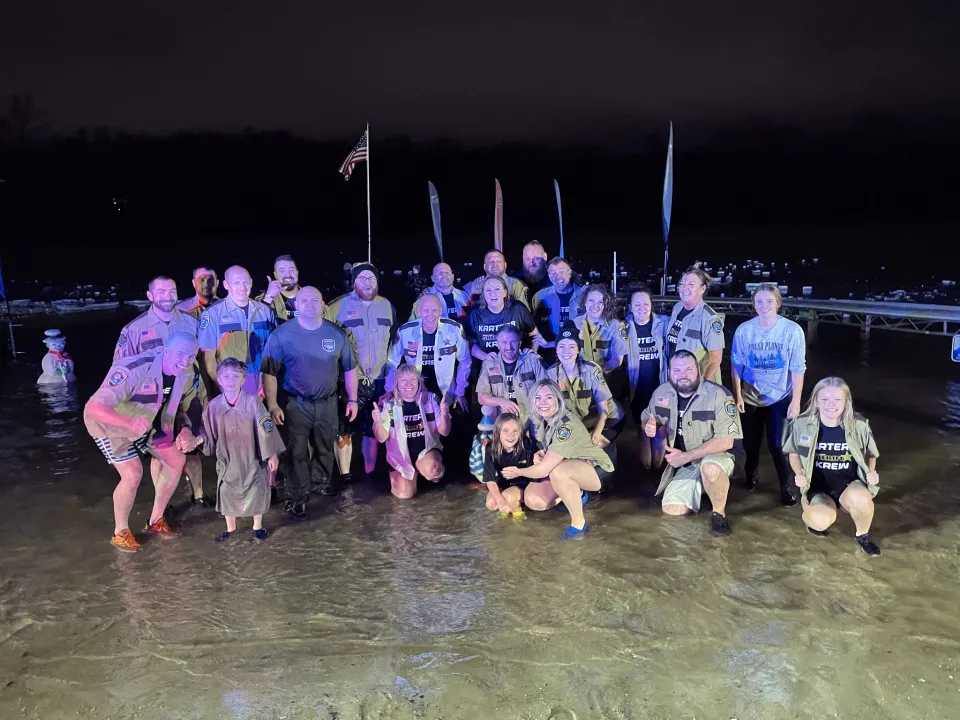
[(410, 425), (702, 426), (239, 432), (138, 408)]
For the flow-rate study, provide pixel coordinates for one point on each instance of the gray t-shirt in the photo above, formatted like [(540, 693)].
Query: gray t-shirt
[(308, 361), (764, 360)]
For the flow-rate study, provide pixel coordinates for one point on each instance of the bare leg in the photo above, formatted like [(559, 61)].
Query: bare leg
[(370, 448), (820, 512), (568, 479), (193, 469), (231, 523), (858, 501), (716, 484), (401, 487), (512, 495), (431, 466), (126, 492), (539, 496), (343, 450), (257, 522), (676, 510), (171, 461)]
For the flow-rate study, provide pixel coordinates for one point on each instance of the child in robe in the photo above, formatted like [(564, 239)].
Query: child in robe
[(240, 433)]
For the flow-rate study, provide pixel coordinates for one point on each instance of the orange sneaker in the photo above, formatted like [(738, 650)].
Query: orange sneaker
[(161, 528), (125, 541)]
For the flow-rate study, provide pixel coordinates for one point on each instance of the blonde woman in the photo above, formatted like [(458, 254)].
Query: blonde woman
[(568, 466), (695, 326), (767, 363), (834, 456), (410, 424)]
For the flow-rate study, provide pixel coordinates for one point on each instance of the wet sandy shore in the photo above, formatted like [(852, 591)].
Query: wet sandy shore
[(436, 608)]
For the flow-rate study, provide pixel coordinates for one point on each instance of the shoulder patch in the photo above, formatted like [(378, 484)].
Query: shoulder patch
[(623, 331), (122, 342), (204, 321), (598, 375), (118, 377), (266, 422), (716, 325), (805, 441), (564, 432), (730, 407)]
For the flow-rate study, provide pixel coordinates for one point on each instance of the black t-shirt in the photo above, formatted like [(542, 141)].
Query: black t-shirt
[(521, 456), (429, 373), (649, 356), (675, 331), (451, 305), (168, 381), (833, 466), (682, 403), (416, 437), (289, 304), (508, 369), (564, 300), (483, 325)]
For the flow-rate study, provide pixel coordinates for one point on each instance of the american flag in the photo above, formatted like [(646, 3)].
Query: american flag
[(358, 154)]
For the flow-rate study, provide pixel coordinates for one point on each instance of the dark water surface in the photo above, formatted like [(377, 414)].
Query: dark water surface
[(436, 608)]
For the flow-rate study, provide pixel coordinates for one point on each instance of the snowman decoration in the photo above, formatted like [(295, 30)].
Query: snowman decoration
[(56, 364)]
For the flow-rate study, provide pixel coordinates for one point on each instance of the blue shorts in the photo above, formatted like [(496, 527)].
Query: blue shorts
[(137, 448)]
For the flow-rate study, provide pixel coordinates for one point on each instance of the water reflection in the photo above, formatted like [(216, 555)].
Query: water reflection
[(951, 405), (61, 406)]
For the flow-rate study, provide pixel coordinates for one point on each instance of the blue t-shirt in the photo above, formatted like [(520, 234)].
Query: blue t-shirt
[(649, 355), (764, 360), (308, 361)]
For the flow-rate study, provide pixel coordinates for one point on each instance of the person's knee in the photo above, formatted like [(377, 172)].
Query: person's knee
[(676, 510), (712, 473), (130, 472), (535, 502), (819, 517)]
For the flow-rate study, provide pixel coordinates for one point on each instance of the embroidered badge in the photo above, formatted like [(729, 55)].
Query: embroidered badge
[(267, 424), (805, 440), (598, 374), (564, 432), (730, 407), (623, 331), (148, 387), (122, 342), (148, 334), (733, 429), (328, 345), (204, 321), (663, 401), (717, 326), (118, 377)]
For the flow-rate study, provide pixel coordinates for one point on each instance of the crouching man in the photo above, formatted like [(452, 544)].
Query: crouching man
[(702, 429)]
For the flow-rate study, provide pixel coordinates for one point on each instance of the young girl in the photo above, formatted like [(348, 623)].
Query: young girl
[(239, 431), (511, 447), (410, 424)]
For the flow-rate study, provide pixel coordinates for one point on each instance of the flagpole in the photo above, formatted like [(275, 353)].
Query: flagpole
[(369, 231)]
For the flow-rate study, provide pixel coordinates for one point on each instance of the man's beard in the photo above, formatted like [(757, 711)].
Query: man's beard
[(538, 274), (288, 284), (164, 305), (686, 389), (365, 293)]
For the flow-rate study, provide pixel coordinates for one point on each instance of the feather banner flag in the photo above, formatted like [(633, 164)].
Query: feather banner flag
[(498, 219), (435, 214), (556, 187), (668, 190)]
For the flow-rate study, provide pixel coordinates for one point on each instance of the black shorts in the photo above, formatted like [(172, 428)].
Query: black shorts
[(605, 477), (822, 488), (367, 393)]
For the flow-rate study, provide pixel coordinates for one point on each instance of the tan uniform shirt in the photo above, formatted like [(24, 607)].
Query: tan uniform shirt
[(585, 392), (372, 327), (148, 333)]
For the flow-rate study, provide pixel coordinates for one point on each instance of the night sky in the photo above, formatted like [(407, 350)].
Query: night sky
[(500, 71)]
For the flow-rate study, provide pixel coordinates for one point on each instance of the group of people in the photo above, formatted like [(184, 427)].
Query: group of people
[(276, 387)]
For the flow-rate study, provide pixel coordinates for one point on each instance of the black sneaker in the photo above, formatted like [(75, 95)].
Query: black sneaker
[(346, 478), (299, 510), (719, 525), (751, 482), (868, 545), (204, 501), (325, 490), (288, 506), (788, 499), (817, 533)]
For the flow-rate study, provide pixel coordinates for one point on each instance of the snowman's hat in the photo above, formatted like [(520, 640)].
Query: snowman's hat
[(53, 335)]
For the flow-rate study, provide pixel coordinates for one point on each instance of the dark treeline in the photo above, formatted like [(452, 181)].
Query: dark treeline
[(78, 205)]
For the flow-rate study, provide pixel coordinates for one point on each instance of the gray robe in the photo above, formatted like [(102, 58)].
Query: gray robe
[(242, 438)]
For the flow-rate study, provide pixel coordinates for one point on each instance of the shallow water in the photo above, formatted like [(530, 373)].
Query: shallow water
[(435, 608)]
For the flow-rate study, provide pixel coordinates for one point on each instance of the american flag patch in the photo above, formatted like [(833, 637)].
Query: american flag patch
[(148, 387), (148, 334), (663, 401), (804, 439)]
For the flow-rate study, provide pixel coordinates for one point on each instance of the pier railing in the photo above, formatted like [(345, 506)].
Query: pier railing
[(867, 314)]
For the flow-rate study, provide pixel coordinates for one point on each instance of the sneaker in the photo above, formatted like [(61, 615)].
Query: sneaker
[(125, 541), (260, 534), (518, 515), (299, 510), (325, 490), (288, 506), (817, 533), (867, 545), (572, 533), (788, 499), (584, 496), (719, 525), (161, 528), (223, 537), (346, 478), (203, 501)]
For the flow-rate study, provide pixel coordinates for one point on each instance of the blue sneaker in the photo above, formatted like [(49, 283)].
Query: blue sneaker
[(223, 537), (572, 533), (584, 496), (260, 534)]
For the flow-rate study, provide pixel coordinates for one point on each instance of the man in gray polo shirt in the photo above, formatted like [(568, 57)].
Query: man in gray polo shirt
[(301, 367)]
